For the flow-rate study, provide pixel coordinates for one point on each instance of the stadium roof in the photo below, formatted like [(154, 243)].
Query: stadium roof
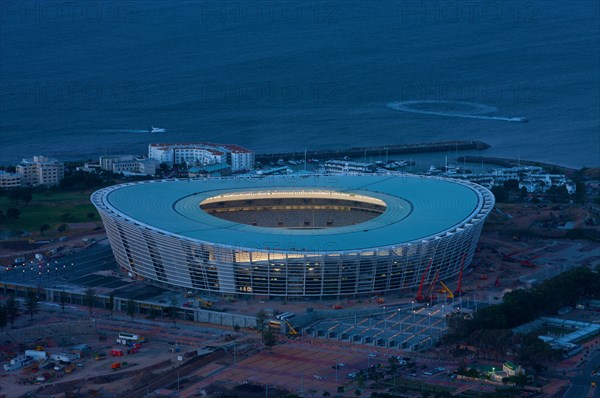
[(417, 208)]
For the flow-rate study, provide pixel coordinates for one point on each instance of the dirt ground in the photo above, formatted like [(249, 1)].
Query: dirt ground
[(57, 331)]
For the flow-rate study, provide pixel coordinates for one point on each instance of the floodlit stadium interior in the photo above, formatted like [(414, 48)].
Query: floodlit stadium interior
[(304, 210)]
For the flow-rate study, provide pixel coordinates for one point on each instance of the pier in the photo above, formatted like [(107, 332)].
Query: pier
[(381, 150)]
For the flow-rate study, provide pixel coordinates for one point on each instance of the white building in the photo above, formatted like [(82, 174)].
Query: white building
[(40, 170), (128, 164), (9, 180), (202, 154), (530, 177)]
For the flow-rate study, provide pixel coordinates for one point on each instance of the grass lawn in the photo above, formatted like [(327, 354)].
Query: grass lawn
[(52, 208)]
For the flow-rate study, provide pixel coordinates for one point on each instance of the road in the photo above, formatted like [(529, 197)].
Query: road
[(581, 384)]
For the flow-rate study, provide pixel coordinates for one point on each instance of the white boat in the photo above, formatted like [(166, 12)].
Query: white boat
[(157, 130)]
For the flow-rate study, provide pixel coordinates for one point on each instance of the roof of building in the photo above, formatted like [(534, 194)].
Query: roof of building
[(511, 365), (209, 168), (417, 208)]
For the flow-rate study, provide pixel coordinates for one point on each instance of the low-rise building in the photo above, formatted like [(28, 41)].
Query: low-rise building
[(9, 180), (512, 369), (40, 170), (128, 164)]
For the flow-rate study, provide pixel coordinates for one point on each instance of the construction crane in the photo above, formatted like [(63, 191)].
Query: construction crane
[(430, 296), (458, 290), (528, 263), (446, 290), (291, 330), (419, 297), (204, 303), (509, 257)]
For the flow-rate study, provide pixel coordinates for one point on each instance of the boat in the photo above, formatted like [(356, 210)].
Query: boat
[(157, 130), (518, 119)]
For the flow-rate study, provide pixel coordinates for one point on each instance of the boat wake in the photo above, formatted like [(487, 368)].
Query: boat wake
[(121, 131), (474, 110)]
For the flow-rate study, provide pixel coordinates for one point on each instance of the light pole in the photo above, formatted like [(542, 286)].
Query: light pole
[(414, 317)]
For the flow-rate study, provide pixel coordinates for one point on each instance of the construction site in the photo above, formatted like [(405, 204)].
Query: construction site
[(182, 342)]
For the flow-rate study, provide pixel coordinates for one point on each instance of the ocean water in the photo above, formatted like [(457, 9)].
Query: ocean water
[(80, 79)]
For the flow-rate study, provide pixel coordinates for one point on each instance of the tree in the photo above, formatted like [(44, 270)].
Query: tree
[(44, 228), (14, 196), (91, 215), (523, 193), (236, 328), (26, 195), (32, 304), (579, 196), (62, 228), (393, 364), (511, 184), (500, 193), (269, 338), (12, 310), (90, 298), (131, 308), (3, 318), (13, 213), (261, 317), (111, 303)]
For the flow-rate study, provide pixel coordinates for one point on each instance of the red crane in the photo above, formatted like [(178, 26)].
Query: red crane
[(528, 263), (430, 297), (509, 257), (458, 290), (419, 296)]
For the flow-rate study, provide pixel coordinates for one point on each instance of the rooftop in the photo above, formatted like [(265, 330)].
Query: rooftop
[(417, 208)]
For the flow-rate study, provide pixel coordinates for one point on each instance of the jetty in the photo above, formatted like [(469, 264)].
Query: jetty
[(381, 150)]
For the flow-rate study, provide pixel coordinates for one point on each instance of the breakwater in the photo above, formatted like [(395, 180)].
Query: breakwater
[(380, 150), (504, 162)]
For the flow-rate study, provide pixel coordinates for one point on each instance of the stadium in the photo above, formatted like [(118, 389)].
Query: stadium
[(294, 237)]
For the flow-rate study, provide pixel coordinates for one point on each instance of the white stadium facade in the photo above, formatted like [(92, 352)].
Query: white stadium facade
[(294, 237)]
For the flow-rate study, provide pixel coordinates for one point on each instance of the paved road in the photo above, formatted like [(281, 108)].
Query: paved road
[(61, 270), (581, 383)]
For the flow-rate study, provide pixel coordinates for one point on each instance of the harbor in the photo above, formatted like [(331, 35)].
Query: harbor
[(380, 150)]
